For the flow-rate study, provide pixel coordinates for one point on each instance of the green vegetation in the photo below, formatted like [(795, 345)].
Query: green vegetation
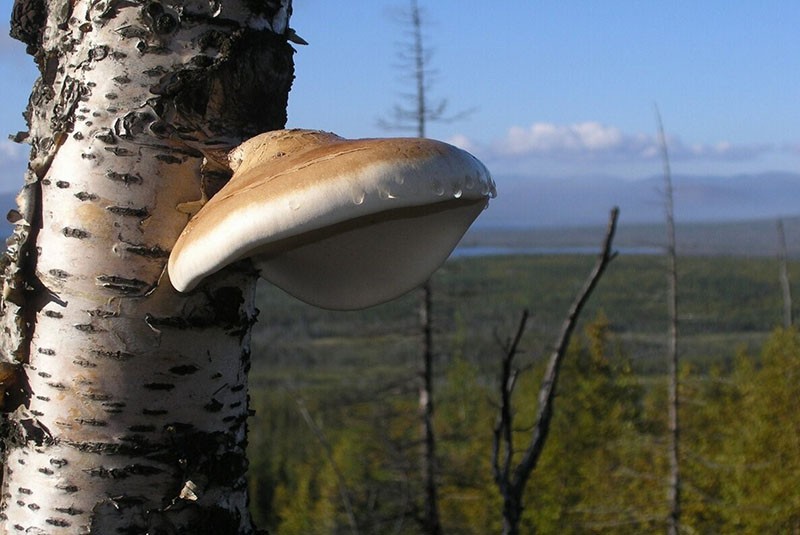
[(604, 467)]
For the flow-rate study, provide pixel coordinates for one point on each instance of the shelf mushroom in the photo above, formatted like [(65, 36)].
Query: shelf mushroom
[(341, 224)]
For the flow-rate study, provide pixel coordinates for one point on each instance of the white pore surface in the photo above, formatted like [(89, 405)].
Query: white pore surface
[(369, 265)]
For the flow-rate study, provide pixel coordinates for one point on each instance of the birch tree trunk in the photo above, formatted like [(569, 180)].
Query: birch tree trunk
[(137, 404)]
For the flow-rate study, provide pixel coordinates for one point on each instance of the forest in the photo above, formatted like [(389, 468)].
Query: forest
[(335, 440)]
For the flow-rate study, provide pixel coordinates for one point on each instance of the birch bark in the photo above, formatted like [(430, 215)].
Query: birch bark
[(135, 420)]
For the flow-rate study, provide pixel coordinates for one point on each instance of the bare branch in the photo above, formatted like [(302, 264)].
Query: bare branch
[(786, 288), (547, 391), (512, 485), (503, 430)]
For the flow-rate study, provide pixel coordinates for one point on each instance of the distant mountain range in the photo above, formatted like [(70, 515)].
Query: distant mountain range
[(526, 202), (715, 215)]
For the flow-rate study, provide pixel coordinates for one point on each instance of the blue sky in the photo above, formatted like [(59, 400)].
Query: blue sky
[(560, 89)]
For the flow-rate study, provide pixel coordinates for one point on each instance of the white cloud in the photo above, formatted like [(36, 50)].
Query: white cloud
[(544, 138), (596, 142)]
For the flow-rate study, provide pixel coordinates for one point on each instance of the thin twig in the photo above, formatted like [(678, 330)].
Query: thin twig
[(547, 390), (512, 485), (503, 431)]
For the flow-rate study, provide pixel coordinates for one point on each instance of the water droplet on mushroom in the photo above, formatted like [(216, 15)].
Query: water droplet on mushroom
[(469, 182), (358, 197), (384, 194), (457, 192), (438, 189), (294, 204), (399, 179)]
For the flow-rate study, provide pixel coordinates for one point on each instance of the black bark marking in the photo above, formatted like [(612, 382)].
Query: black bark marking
[(128, 212), (93, 422), (113, 407), (148, 252), (126, 178), (84, 363), (121, 285), (53, 314), (59, 273), (124, 472), (168, 159), (114, 355), (86, 328), (69, 489), (46, 471), (59, 463), (23, 490), (83, 196), (44, 351), (75, 233), (58, 522), (44, 375), (119, 151), (72, 511), (106, 136), (154, 412), (96, 396), (104, 314), (43, 398), (62, 184), (159, 386), (187, 369), (57, 386)]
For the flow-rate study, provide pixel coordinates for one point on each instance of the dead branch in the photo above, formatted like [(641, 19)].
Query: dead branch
[(512, 483)]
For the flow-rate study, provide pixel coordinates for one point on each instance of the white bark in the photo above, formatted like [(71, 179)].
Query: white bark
[(136, 420)]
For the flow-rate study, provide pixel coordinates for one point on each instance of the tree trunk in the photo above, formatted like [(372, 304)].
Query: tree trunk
[(137, 398), (430, 519), (786, 287), (673, 399)]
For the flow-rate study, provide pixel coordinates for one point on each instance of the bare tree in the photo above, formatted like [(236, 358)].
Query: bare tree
[(786, 288), (136, 409), (673, 400), (511, 481), (414, 114), (417, 109)]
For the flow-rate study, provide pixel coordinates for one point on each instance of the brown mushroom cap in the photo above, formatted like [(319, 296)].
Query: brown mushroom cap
[(338, 223)]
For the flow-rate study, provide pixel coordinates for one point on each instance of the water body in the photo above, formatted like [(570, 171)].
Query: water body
[(472, 251)]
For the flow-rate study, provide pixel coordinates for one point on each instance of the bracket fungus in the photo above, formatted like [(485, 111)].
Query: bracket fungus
[(338, 223)]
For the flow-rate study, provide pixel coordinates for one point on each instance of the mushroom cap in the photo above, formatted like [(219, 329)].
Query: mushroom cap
[(341, 224)]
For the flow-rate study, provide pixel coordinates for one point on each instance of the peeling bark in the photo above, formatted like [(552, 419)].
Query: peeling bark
[(136, 409)]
